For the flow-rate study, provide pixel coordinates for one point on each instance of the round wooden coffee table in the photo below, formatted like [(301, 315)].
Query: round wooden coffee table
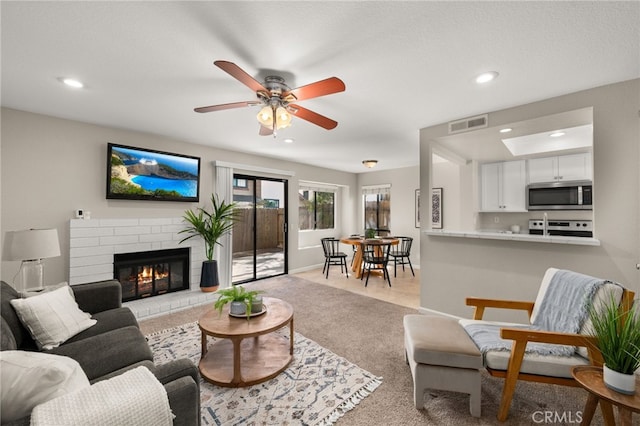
[(248, 352)]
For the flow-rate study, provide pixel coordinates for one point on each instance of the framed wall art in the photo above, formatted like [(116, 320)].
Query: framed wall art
[(436, 208)]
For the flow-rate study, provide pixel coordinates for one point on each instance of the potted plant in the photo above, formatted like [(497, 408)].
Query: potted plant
[(617, 337), (210, 226), (241, 301)]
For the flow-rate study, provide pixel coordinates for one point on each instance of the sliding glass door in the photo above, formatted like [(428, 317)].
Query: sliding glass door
[(260, 236)]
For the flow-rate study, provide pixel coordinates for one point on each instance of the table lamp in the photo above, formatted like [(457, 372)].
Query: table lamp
[(31, 246)]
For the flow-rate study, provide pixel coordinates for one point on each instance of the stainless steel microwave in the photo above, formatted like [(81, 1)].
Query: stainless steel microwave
[(572, 195)]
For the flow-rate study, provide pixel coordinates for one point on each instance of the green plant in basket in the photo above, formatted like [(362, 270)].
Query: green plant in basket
[(239, 294)]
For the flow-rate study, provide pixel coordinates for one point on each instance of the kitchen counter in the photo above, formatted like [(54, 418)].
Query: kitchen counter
[(497, 235)]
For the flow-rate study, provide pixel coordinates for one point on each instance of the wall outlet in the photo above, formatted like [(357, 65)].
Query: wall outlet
[(496, 219), (79, 213)]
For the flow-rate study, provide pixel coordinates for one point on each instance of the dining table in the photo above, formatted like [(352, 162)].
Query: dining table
[(356, 241)]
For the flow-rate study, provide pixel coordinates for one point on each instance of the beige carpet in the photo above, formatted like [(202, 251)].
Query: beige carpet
[(369, 333)]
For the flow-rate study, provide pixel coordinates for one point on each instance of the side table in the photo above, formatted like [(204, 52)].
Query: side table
[(590, 378)]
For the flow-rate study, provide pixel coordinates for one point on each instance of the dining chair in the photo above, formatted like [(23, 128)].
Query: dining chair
[(354, 247), (333, 255), (375, 256), (401, 254)]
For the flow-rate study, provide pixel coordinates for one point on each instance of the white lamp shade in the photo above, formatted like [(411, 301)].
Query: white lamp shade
[(31, 244)]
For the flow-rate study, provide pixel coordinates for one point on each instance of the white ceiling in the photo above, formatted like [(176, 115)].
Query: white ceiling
[(406, 65)]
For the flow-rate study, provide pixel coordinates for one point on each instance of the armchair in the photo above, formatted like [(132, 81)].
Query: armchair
[(517, 364)]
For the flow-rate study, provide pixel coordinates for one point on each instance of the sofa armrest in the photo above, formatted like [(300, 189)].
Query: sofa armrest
[(98, 296), (173, 370), (107, 352), (184, 400)]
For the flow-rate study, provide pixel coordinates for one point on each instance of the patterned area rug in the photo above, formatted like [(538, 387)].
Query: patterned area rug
[(317, 388)]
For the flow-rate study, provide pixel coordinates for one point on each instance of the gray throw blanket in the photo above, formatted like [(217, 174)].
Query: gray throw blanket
[(564, 308)]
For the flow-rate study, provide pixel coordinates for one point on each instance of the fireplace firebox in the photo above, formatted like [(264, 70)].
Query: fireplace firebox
[(151, 273)]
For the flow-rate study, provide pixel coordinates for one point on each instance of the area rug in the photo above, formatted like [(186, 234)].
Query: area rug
[(317, 388)]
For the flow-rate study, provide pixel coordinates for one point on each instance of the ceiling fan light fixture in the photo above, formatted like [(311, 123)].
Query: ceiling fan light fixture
[(283, 118), (265, 116), (370, 163)]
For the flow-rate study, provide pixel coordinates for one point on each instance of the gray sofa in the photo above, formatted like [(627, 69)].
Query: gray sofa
[(112, 346)]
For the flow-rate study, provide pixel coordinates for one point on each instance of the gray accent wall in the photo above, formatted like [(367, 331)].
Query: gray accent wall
[(454, 268)]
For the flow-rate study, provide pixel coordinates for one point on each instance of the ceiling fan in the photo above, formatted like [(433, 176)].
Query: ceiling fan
[(278, 99)]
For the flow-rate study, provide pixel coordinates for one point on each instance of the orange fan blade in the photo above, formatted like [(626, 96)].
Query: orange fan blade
[(226, 106), (265, 131), (319, 88), (312, 117), (239, 74)]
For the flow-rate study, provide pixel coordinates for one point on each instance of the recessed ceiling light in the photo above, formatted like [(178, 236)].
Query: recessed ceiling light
[(72, 82), (486, 77), (556, 134), (288, 140), (506, 130)]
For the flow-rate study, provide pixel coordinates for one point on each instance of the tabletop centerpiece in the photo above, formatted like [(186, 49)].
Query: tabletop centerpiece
[(241, 302)]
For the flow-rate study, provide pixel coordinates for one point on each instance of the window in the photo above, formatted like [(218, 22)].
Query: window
[(269, 203), (377, 207), (316, 209), (240, 183)]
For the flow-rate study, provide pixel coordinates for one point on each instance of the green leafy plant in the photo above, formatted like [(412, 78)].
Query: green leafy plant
[(370, 233), (236, 293), (617, 335), (211, 226)]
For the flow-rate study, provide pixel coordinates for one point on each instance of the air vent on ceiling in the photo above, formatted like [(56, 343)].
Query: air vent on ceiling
[(467, 124)]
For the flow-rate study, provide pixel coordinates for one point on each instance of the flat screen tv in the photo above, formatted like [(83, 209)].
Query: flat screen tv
[(147, 174)]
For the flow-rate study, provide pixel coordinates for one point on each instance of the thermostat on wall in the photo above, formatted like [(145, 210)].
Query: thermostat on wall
[(79, 213)]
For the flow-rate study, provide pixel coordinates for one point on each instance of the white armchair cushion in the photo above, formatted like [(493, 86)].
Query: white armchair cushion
[(542, 365), (31, 378), (545, 365), (52, 317)]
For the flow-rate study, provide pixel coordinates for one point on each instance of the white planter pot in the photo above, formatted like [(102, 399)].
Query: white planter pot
[(623, 383), (237, 308)]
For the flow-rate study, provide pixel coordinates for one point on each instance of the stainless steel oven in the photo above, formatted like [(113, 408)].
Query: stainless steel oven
[(567, 228), (574, 195)]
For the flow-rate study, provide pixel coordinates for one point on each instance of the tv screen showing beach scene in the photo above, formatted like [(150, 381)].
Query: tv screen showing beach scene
[(146, 174)]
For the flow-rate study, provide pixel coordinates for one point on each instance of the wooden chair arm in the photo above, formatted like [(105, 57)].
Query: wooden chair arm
[(522, 336), (481, 304)]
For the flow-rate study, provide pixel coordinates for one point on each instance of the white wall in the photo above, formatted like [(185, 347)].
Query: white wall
[(454, 268), (52, 166)]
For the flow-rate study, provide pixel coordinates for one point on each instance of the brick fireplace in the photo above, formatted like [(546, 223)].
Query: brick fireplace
[(93, 243)]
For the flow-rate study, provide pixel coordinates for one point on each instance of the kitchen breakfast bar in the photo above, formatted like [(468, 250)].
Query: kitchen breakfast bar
[(497, 235)]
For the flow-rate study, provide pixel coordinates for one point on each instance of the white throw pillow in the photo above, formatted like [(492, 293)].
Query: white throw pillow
[(31, 378), (52, 317)]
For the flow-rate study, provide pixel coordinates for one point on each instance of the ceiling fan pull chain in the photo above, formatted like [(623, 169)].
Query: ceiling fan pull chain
[(275, 121)]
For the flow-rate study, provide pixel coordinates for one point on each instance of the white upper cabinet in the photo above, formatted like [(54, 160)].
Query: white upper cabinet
[(503, 186), (561, 168)]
